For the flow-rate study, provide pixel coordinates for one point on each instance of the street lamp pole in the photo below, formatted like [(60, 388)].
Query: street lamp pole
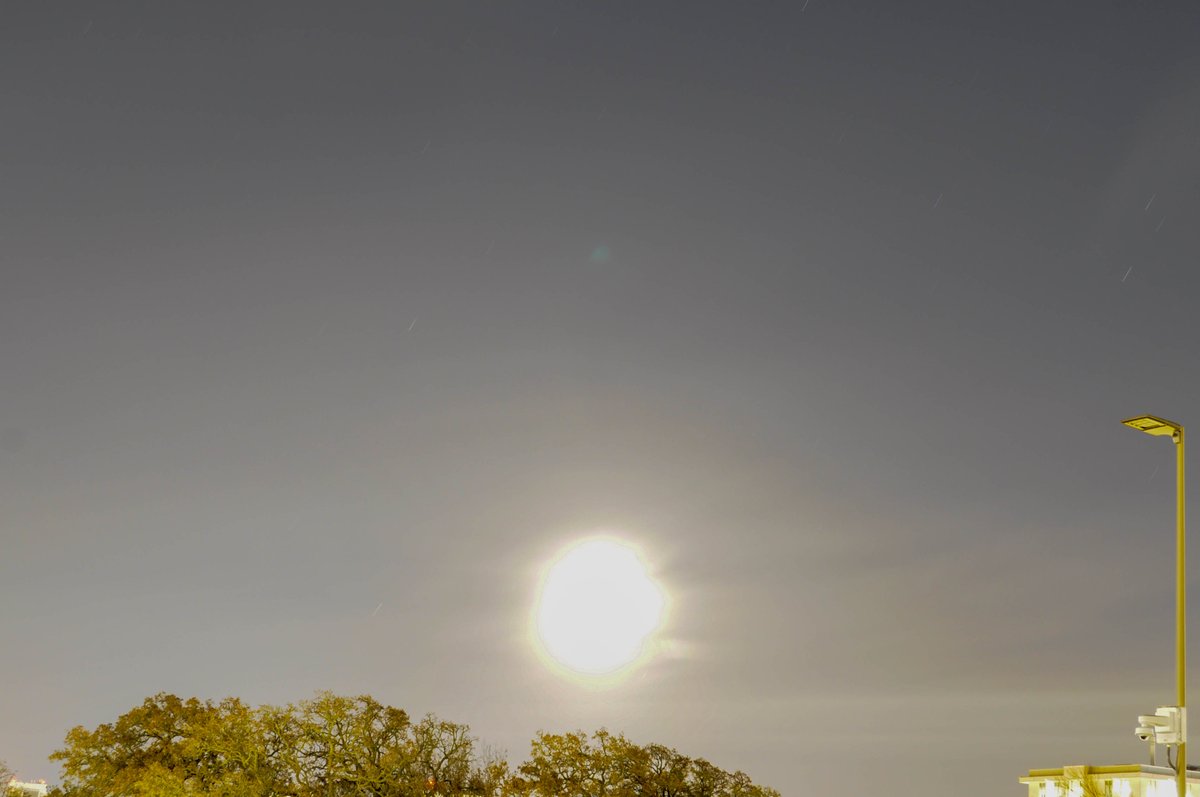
[(1180, 603), (1160, 427)]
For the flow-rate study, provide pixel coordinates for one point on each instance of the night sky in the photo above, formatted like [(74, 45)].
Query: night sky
[(323, 326)]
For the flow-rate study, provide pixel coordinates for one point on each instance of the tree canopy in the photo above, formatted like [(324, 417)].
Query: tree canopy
[(6, 775), (333, 746)]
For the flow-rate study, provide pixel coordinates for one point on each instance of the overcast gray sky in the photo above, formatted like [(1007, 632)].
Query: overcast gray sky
[(832, 307)]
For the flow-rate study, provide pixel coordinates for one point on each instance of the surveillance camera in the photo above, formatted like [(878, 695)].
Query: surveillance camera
[(1167, 725)]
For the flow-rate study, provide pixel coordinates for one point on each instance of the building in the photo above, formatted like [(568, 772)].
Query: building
[(1126, 780), (27, 789)]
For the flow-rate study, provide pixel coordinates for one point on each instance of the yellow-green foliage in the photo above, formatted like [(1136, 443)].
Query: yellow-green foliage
[(333, 746)]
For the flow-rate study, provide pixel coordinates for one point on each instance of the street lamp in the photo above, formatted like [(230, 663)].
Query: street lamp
[(1162, 428)]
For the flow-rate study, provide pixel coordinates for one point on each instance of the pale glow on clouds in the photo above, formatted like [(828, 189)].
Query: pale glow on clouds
[(673, 267)]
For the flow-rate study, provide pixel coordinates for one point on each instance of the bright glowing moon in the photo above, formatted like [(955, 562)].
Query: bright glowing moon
[(598, 607)]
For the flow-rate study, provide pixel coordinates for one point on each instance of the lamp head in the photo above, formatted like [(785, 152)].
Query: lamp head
[(1156, 426)]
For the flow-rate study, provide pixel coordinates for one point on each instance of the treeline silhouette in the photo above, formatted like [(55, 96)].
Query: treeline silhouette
[(333, 746)]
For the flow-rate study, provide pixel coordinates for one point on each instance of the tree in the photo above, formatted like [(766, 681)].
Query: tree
[(705, 780), (608, 765), (6, 775), (335, 746), (353, 746), (558, 764), (490, 776), (444, 752), (1082, 784), (152, 749), (667, 771)]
